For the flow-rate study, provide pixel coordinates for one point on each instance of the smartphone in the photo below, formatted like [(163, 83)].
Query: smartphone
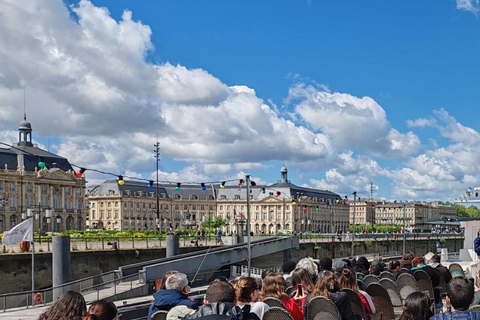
[(299, 289)]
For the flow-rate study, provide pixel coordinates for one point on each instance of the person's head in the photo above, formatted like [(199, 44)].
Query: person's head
[(326, 284), (309, 265), (460, 293), (362, 264), (274, 285), (394, 265), (428, 257), (178, 282), (71, 305), (164, 279), (418, 261), (247, 289), (348, 279), (102, 310), (220, 291), (435, 258), (376, 268), (348, 262), (302, 276), (266, 272), (288, 266), (326, 264), (416, 307)]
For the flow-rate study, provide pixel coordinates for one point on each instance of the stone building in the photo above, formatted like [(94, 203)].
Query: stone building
[(39, 184), (413, 213), (280, 207)]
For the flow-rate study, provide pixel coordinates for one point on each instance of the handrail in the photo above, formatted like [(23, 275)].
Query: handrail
[(25, 299)]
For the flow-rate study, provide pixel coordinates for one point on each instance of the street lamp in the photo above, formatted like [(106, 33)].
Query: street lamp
[(157, 156), (353, 223), (404, 228)]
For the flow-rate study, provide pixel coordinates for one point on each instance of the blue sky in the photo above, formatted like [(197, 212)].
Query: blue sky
[(343, 93)]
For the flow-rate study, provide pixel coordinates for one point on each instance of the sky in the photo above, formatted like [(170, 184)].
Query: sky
[(346, 94)]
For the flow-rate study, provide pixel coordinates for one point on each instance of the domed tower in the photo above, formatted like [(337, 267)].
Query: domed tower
[(25, 133), (284, 174)]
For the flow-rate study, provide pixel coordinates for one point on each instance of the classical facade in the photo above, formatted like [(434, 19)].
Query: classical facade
[(280, 207), (415, 214), (51, 193)]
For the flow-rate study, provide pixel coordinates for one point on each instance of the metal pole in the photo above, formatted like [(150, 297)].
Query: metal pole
[(249, 249), (353, 223), (404, 229), (157, 156)]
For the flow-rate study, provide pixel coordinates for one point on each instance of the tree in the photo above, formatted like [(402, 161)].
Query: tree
[(211, 223)]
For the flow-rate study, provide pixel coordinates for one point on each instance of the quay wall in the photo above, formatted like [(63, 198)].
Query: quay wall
[(15, 268)]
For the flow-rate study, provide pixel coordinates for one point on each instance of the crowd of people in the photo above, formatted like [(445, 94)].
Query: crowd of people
[(295, 287), (71, 305), (300, 282)]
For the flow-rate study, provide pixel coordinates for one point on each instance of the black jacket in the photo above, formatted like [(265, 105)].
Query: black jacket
[(221, 308), (344, 306)]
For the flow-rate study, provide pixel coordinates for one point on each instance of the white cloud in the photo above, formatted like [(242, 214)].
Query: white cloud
[(351, 122), (469, 5)]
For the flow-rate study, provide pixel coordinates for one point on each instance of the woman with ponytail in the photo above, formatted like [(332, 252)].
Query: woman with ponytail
[(348, 279)]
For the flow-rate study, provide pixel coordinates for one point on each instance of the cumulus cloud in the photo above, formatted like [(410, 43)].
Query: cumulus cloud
[(469, 5), (91, 86), (351, 121)]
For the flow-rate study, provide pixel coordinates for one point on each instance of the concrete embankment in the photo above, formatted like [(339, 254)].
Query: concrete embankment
[(15, 268)]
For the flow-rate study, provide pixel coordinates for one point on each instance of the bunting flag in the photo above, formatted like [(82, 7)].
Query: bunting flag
[(21, 232)]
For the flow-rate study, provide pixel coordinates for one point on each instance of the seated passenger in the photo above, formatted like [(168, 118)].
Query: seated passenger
[(275, 286), (175, 294), (247, 290), (348, 279), (219, 303), (327, 286), (459, 296)]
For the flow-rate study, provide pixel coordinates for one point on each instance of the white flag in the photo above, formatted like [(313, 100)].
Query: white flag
[(21, 232)]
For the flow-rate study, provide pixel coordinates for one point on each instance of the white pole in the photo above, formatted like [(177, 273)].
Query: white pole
[(249, 249)]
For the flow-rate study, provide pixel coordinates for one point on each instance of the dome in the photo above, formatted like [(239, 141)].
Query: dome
[(283, 169), (25, 125)]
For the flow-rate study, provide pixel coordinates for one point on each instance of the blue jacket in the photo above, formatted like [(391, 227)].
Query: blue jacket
[(167, 299), (457, 315), (476, 245)]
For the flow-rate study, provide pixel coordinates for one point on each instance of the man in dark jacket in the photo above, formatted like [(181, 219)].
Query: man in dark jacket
[(175, 294), (219, 304), (459, 296), (435, 263)]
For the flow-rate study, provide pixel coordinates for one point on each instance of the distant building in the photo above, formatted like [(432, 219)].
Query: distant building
[(414, 213), (280, 207), (53, 195)]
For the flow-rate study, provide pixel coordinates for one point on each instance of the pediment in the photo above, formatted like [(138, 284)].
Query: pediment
[(56, 175), (271, 200)]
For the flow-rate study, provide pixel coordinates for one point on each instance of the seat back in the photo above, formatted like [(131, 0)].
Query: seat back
[(393, 292), (387, 275), (424, 282), (406, 284), (360, 285), (274, 302), (321, 308), (442, 284), (382, 301), (159, 315), (276, 313), (357, 305), (475, 308), (456, 270), (370, 279)]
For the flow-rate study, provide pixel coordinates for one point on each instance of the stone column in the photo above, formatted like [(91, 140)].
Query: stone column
[(60, 264), (173, 245)]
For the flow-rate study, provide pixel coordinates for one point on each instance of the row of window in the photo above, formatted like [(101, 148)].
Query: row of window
[(12, 186), (29, 202)]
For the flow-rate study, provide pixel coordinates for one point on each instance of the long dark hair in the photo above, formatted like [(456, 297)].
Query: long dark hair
[(302, 276), (326, 285), (274, 286), (417, 307), (102, 310), (71, 305)]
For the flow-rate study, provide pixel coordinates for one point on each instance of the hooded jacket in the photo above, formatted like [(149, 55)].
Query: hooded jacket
[(227, 309), (167, 299), (362, 265)]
